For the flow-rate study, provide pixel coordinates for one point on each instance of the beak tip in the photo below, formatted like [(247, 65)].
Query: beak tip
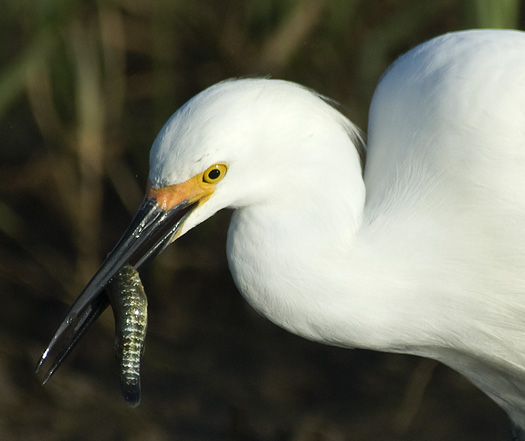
[(45, 378)]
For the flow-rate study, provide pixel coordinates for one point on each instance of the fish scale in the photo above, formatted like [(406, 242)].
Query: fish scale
[(129, 303)]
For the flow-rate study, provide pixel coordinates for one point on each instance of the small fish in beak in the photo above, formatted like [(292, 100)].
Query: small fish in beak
[(156, 224), (130, 309), (152, 229)]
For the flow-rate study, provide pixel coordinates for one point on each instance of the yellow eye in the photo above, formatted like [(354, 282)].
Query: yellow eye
[(215, 173)]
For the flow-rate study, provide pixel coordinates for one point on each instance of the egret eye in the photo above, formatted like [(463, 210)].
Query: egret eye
[(215, 173)]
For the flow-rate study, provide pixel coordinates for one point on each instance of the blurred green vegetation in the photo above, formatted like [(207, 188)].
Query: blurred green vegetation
[(84, 88)]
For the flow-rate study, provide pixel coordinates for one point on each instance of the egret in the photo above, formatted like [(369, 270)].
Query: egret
[(420, 251)]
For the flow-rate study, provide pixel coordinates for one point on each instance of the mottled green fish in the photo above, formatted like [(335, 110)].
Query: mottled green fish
[(130, 308)]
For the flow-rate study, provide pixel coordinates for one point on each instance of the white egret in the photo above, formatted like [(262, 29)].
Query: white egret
[(420, 252)]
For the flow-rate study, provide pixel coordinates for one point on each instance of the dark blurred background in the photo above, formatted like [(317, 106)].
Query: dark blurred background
[(84, 88)]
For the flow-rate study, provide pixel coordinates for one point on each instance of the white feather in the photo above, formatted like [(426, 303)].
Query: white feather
[(430, 259)]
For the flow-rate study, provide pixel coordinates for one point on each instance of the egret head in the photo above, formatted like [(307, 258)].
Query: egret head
[(242, 142), (238, 143)]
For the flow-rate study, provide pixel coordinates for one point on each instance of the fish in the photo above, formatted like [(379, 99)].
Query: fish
[(128, 300)]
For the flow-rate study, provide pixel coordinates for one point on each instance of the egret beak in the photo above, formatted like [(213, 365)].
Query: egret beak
[(156, 224)]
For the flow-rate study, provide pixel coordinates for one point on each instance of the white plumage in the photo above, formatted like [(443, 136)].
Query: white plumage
[(424, 255), (430, 258)]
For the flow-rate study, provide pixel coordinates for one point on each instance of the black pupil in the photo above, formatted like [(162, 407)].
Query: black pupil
[(214, 174)]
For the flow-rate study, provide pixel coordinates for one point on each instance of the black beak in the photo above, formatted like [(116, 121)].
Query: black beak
[(151, 230)]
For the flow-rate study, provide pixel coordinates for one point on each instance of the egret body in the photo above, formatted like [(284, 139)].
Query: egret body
[(421, 251)]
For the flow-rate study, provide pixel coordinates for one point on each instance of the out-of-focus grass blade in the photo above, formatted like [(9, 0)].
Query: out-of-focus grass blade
[(13, 77), (501, 14)]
